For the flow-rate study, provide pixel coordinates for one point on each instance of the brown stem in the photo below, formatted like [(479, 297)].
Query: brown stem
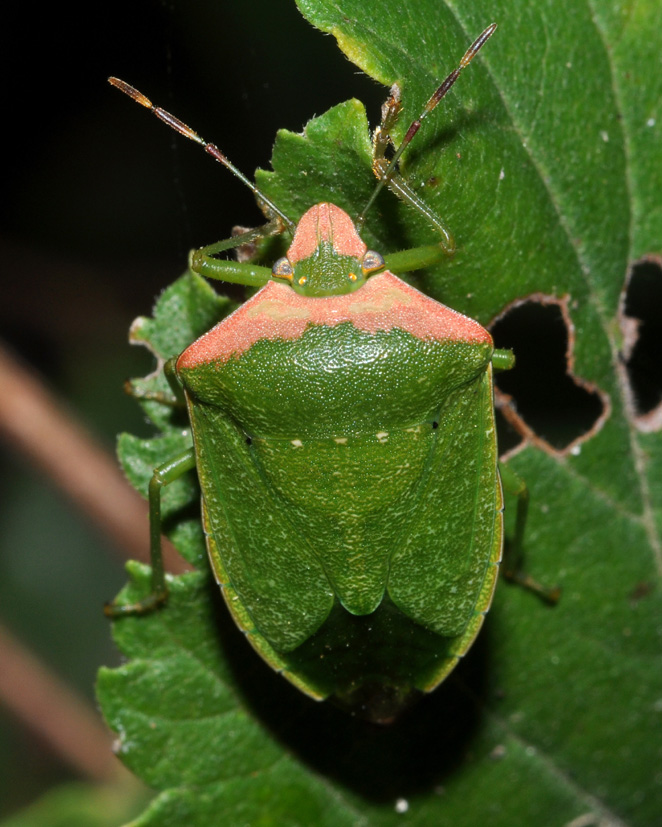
[(36, 425), (55, 712)]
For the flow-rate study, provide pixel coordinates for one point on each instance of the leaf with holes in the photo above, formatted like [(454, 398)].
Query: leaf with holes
[(546, 163)]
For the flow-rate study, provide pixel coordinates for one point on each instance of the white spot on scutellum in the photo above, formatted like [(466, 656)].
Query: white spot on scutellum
[(401, 805)]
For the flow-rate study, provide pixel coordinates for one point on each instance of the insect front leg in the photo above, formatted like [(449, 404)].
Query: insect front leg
[(204, 263), (386, 169), (417, 258), (163, 475)]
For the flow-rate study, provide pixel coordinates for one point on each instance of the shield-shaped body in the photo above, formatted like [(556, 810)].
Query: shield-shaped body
[(347, 457)]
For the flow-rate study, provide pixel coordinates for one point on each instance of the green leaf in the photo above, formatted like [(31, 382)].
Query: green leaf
[(184, 311), (545, 161)]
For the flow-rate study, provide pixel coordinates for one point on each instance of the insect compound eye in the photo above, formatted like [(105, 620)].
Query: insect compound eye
[(282, 269), (372, 261)]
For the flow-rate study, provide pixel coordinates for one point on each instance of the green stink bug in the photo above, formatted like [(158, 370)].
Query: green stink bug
[(356, 539)]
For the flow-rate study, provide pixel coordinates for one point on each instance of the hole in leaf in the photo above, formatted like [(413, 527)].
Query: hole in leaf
[(508, 438), (544, 401), (641, 322)]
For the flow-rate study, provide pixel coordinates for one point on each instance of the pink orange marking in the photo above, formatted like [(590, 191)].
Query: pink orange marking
[(383, 303), (325, 223)]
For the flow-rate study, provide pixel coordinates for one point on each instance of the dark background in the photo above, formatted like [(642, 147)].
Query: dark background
[(100, 204)]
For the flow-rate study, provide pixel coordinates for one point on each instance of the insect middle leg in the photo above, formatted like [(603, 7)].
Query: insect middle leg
[(163, 475)]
